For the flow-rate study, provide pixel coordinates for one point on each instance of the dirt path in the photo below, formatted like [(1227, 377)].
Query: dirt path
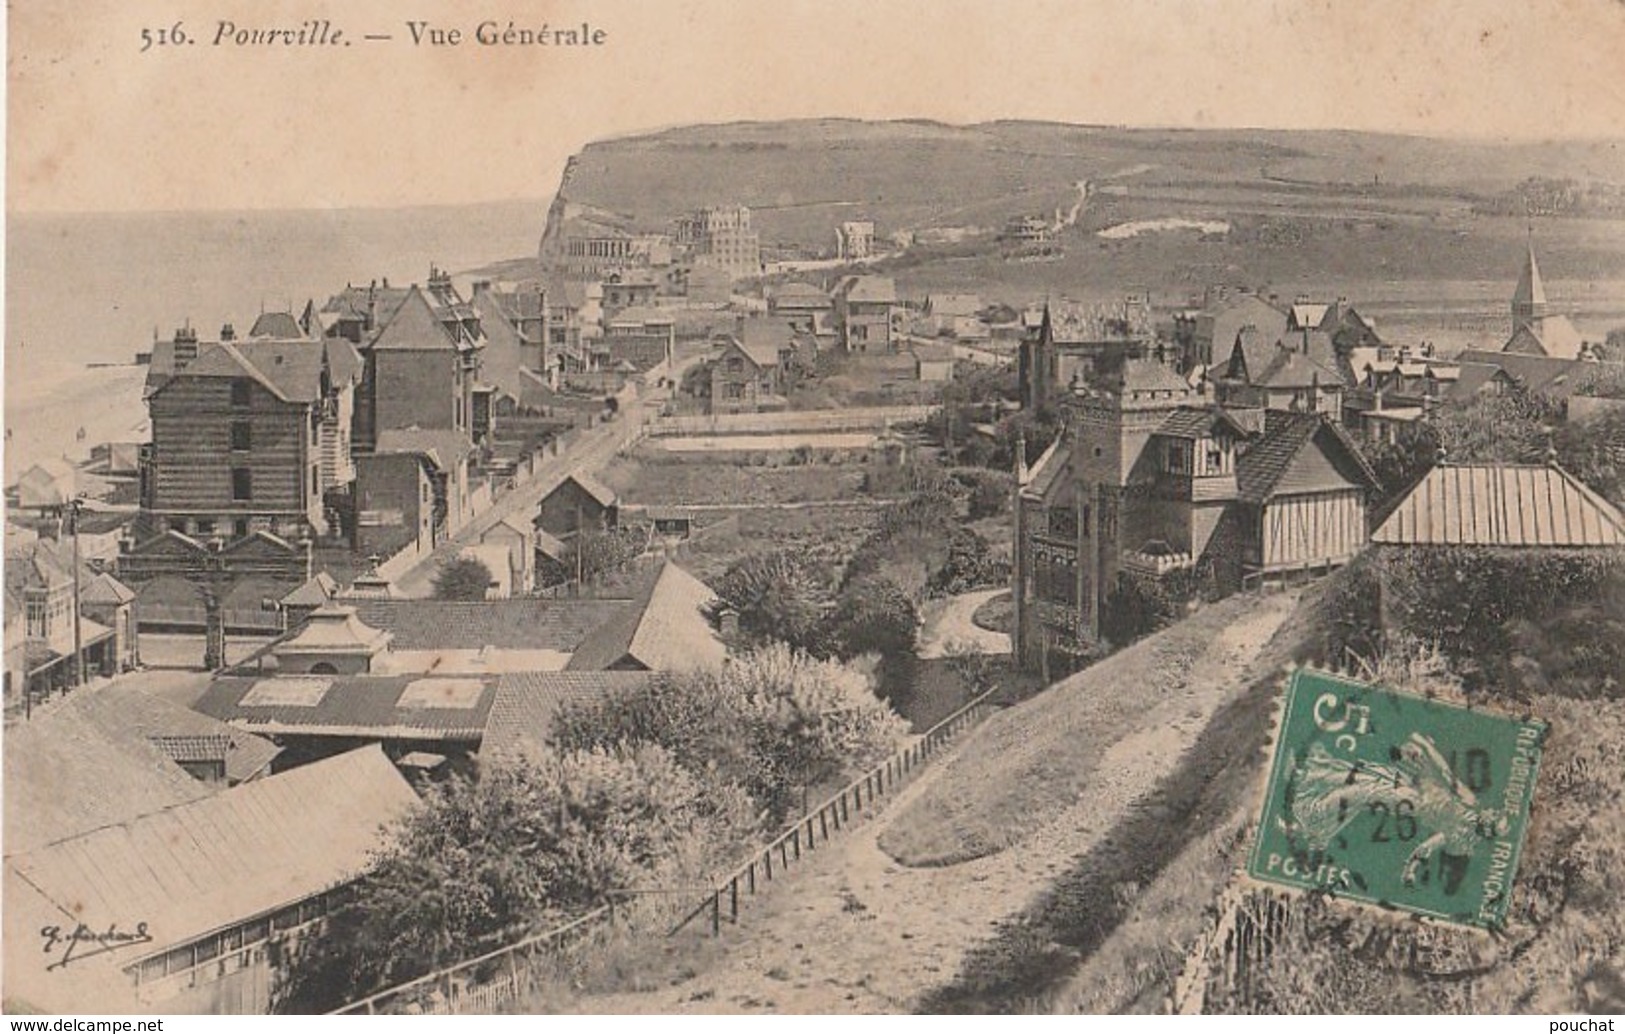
[(947, 622), (853, 931)]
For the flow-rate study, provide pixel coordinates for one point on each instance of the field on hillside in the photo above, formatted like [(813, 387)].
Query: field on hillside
[(802, 178), (1389, 222), (645, 479)]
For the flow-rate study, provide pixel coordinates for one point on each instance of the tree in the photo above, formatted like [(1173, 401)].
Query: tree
[(873, 615), (462, 578), (778, 596), (772, 722), (536, 838), (595, 552), (1594, 451)]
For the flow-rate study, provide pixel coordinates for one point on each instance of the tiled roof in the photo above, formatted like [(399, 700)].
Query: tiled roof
[(414, 326), (194, 748), (1489, 504), (358, 705), (1271, 466), (131, 713), (1191, 422), (527, 702), (65, 776), (1251, 353), (667, 630), (201, 866), (520, 623)]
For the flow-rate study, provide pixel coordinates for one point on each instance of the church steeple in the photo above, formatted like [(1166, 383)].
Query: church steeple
[(1529, 300)]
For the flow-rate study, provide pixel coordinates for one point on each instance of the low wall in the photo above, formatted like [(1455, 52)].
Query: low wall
[(789, 421)]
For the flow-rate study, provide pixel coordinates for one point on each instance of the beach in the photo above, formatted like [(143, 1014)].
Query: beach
[(44, 416)]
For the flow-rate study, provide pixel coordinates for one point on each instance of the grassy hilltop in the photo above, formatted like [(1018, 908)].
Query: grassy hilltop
[(1308, 209)]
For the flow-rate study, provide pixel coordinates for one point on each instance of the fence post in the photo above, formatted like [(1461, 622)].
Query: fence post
[(752, 873), (767, 859), (796, 834), (716, 913), (733, 898), (823, 821)]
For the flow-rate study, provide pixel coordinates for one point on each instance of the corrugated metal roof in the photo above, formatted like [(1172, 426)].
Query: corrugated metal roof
[(1502, 505), (195, 868)]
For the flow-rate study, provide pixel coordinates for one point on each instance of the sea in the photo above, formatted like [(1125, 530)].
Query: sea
[(86, 292)]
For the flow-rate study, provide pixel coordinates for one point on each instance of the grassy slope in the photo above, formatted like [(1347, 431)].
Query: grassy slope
[(1307, 211), (1164, 858), (1029, 763)]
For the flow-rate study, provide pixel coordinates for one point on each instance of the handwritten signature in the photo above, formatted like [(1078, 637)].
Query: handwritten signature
[(82, 942)]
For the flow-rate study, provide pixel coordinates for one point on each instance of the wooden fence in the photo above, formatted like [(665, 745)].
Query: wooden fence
[(841, 811), (480, 984)]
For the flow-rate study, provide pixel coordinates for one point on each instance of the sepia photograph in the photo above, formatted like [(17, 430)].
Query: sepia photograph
[(873, 507)]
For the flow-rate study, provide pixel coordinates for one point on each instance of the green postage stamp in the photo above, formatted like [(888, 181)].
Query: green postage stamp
[(1398, 801)]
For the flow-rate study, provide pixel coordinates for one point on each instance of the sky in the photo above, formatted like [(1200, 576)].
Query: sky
[(96, 125)]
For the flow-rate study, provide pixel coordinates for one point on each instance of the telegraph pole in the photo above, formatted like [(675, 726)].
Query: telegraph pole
[(78, 632)]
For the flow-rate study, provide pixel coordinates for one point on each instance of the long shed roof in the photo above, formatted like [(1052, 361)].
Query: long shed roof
[(195, 868), (1502, 504)]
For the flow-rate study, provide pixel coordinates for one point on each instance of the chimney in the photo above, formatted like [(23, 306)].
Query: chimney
[(1305, 340), (228, 333), (728, 620)]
